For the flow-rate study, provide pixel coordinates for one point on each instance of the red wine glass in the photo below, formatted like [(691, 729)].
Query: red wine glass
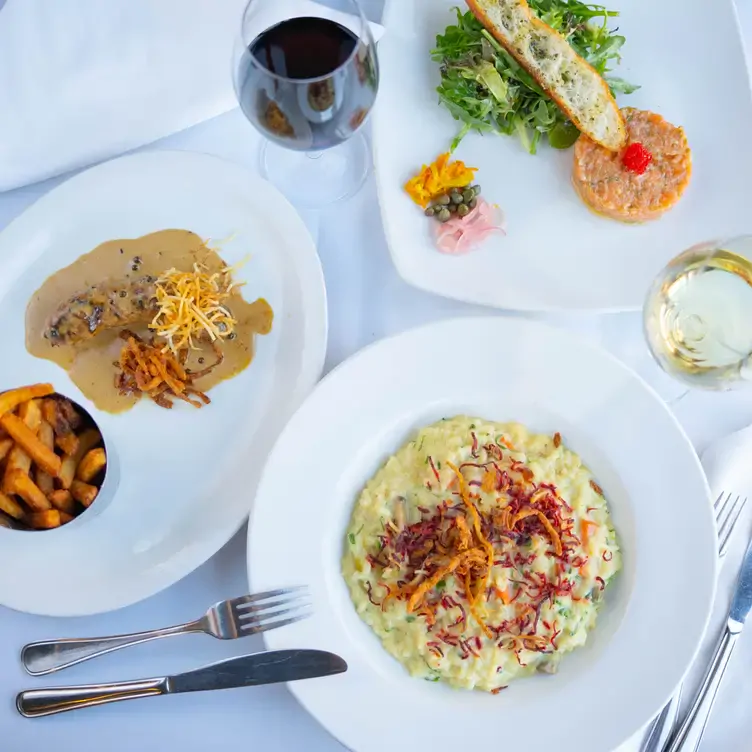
[(306, 76)]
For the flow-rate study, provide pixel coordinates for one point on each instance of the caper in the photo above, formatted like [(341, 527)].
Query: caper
[(444, 215), (472, 203), (452, 208), (455, 197), (476, 190), (468, 195), (443, 200), (430, 211), (463, 210)]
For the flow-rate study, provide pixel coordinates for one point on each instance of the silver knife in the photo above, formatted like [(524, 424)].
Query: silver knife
[(246, 671), (699, 712)]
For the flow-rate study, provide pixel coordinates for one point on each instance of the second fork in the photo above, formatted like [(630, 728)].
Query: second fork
[(226, 620)]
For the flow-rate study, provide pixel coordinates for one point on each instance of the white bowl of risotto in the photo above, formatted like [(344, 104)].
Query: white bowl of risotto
[(507, 537)]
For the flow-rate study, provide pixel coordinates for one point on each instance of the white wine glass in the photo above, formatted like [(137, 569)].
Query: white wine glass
[(698, 315), (306, 76)]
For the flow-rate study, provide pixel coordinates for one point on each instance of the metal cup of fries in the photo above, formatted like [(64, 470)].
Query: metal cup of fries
[(52, 459)]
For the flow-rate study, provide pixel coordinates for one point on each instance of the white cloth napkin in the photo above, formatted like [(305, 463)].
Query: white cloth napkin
[(728, 465), (84, 80)]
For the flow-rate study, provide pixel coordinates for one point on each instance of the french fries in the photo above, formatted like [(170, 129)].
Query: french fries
[(62, 500), (31, 414), (27, 439), (49, 519), (61, 415), (17, 460), (22, 485), (68, 443), (11, 507), (83, 492), (86, 441), (52, 460), (43, 478), (91, 465), (6, 445), (10, 400)]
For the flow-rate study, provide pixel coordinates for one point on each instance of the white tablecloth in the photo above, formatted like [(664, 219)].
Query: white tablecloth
[(367, 300)]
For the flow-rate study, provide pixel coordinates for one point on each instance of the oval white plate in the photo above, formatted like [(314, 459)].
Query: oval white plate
[(502, 369), (179, 482), (557, 254)]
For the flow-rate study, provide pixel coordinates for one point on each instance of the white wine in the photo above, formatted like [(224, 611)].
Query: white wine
[(698, 315)]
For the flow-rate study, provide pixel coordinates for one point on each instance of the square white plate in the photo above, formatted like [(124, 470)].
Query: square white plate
[(688, 57)]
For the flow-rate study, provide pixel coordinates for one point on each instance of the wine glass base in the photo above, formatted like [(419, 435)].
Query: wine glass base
[(317, 179)]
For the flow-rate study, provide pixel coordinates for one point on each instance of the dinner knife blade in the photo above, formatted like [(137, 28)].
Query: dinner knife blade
[(742, 601), (259, 668)]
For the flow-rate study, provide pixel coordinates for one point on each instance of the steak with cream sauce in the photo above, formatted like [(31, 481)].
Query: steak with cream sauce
[(104, 306)]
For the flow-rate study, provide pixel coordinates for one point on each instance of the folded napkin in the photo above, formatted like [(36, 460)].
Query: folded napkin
[(728, 466), (84, 80)]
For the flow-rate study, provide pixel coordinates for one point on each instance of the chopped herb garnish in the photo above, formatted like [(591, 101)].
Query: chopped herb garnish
[(352, 539), (409, 619), (441, 584)]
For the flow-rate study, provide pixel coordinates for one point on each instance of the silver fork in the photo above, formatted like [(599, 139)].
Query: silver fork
[(726, 516), (226, 620)]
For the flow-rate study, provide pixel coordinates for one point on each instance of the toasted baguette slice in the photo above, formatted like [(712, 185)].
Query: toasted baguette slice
[(570, 81)]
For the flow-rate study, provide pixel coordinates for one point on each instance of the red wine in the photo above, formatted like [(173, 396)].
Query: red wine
[(304, 47), (307, 83)]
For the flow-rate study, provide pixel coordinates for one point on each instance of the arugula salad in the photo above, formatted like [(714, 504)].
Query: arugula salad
[(487, 90)]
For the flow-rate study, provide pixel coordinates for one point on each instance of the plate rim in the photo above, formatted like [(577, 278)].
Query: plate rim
[(692, 456), (311, 368)]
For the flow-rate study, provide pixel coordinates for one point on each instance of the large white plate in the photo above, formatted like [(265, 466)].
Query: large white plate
[(179, 483), (558, 255), (654, 615)]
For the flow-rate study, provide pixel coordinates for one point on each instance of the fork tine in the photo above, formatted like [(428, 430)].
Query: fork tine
[(244, 600), (258, 619), (717, 502), (726, 512), (721, 510), (726, 525), (257, 629), (245, 610)]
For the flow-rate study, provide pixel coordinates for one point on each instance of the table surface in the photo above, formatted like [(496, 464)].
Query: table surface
[(367, 301)]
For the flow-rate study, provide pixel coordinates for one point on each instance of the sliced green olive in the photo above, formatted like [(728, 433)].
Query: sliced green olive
[(563, 135)]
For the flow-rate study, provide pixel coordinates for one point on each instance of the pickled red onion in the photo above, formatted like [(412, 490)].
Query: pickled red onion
[(463, 234)]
